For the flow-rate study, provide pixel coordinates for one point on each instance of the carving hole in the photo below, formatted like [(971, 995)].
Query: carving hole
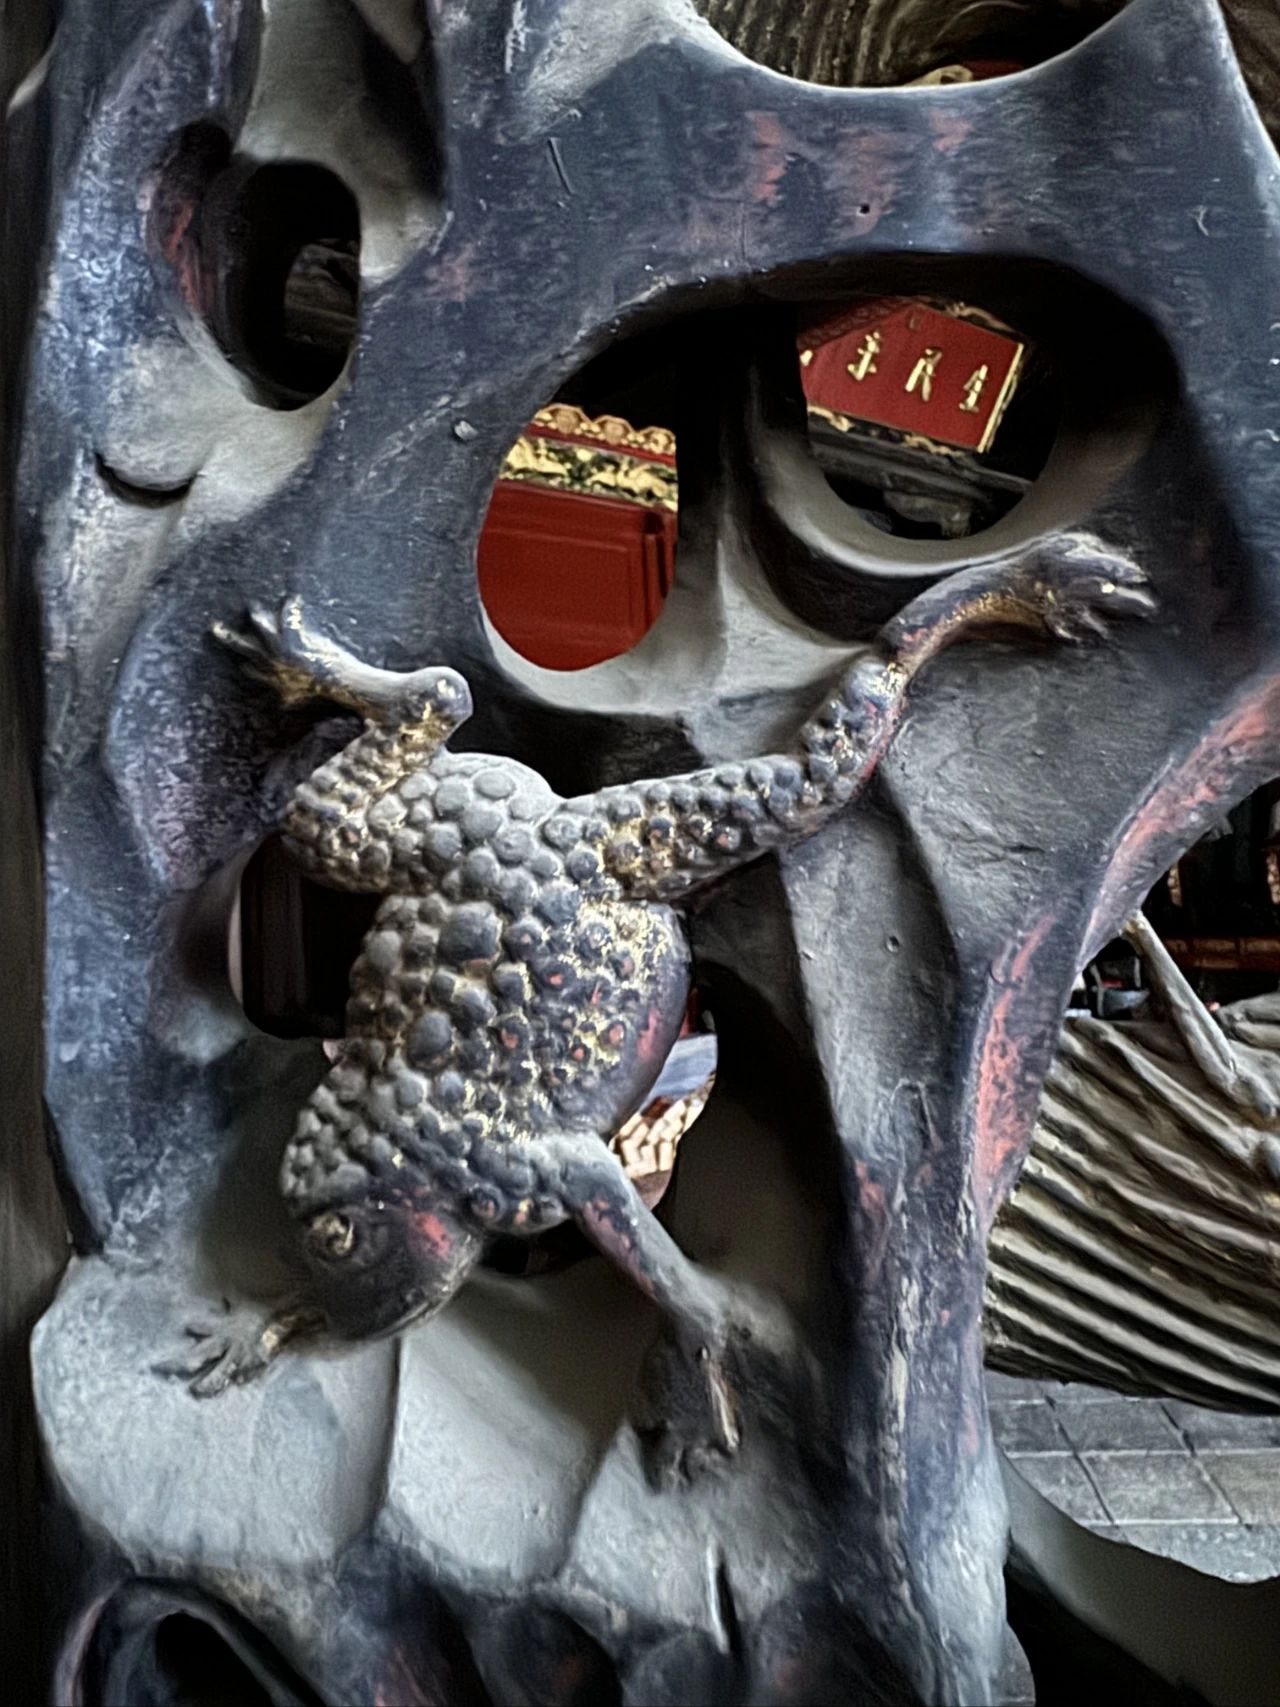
[(862, 476), (285, 312), (848, 42), (291, 946), (194, 1665), (790, 442), (162, 1646), (1219, 910), (267, 255), (930, 417), (578, 550)]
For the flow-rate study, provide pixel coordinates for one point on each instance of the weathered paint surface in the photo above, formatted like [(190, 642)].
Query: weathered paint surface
[(535, 182)]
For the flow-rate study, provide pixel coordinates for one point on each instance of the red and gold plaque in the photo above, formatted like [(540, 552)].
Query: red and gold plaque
[(905, 364)]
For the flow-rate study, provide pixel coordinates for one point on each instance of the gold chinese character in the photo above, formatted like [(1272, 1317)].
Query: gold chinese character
[(922, 374), (973, 389), (868, 350)]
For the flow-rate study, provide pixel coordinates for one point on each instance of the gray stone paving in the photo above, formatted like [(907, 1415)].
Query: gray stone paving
[(1202, 1487), (1199, 1486)]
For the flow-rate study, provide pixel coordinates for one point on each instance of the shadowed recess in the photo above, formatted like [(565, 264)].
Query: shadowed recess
[(157, 1645), (267, 255)]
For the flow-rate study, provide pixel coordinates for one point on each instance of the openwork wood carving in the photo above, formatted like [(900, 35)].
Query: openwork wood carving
[(525, 979), (462, 1512)]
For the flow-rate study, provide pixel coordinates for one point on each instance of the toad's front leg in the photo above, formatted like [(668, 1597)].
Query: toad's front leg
[(666, 839), (1071, 587), (233, 1347), (687, 1412), (346, 824), (280, 648)]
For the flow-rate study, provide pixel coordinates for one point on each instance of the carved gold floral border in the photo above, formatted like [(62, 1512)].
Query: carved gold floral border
[(564, 420), (567, 450)]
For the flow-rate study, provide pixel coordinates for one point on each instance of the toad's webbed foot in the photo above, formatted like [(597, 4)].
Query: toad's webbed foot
[(686, 1410), (1078, 585), (234, 1347), (1070, 588), (299, 663), (276, 647)]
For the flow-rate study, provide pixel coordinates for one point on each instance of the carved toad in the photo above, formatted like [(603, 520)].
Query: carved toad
[(527, 974)]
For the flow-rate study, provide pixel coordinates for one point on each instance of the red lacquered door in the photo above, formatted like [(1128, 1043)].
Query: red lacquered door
[(568, 579)]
